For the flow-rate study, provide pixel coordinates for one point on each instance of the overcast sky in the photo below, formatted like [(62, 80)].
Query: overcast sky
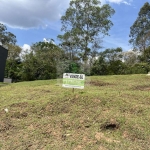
[(33, 20)]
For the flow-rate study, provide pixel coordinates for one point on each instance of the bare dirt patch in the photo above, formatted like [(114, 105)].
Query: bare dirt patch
[(42, 90), (99, 83), (100, 136), (5, 125), (51, 109), (102, 148), (79, 147), (142, 88), (19, 115), (21, 105)]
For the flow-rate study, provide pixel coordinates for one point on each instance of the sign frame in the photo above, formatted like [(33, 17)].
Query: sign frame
[(73, 80)]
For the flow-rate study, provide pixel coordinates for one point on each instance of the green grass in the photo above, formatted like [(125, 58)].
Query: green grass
[(111, 113)]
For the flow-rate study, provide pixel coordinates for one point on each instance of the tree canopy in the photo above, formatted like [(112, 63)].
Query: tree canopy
[(6, 37), (140, 30), (41, 62), (108, 62), (84, 24)]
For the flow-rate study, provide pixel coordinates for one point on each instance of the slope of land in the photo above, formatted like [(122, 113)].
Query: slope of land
[(111, 113)]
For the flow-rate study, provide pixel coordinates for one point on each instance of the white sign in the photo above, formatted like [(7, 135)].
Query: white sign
[(72, 80)]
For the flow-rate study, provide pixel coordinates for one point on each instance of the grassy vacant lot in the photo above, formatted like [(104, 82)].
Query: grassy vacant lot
[(111, 113)]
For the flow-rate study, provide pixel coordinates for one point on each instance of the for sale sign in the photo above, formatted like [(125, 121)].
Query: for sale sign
[(72, 80)]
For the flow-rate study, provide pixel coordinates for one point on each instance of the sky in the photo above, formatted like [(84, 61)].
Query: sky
[(33, 20)]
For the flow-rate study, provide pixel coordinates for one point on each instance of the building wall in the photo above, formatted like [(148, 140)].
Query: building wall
[(3, 57)]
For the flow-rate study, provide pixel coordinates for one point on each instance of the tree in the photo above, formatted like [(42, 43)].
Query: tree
[(140, 30), (100, 66), (114, 59), (13, 63), (84, 24), (13, 51), (112, 55), (41, 62), (109, 62), (139, 68), (130, 58), (145, 56), (29, 67), (6, 37)]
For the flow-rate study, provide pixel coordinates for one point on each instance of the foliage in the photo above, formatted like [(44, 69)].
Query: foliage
[(109, 62), (83, 23), (41, 62), (140, 30), (30, 66), (140, 68), (100, 67), (145, 56), (13, 69), (130, 57), (14, 52), (13, 63), (6, 37)]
